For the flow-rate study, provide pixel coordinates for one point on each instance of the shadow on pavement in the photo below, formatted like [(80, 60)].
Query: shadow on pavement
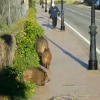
[(48, 25), (43, 19), (70, 55), (43, 15), (40, 17)]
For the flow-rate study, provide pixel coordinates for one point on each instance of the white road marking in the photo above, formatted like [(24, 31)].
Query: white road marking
[(89, 8), (80, 13)]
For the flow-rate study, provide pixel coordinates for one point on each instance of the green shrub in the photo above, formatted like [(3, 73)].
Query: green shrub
[(31, 14), (25, 57), (33, 29), (32, 4), (69, 1), (59, 1)]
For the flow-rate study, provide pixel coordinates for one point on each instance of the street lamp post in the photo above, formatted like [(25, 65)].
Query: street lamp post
[(93, 63), (45, 5), (42, 4), (51, 2), (62, 16)]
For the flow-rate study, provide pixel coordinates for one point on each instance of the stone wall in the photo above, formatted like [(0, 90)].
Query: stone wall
[(11, 11)]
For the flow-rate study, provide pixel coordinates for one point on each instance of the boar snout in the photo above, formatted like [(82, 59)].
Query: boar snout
[(47, 79)]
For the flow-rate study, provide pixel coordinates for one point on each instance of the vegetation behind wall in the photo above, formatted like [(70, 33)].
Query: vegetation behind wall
[(10, 12)]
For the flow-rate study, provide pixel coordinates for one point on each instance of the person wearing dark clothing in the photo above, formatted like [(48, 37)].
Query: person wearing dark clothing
[(54, 12)]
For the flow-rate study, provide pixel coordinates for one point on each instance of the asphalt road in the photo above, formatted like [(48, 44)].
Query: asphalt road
[(80, 20)]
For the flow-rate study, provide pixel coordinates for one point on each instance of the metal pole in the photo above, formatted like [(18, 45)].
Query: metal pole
[(62, 16), (45, 5), (93, 63), (51, 2), (42, 4)]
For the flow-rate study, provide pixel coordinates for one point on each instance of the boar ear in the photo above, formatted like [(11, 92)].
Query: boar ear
[(45, 74), (45, 49)]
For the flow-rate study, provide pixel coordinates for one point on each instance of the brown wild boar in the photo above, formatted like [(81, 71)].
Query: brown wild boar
[(35, 75), (46, 58), (7, 49), (41, 45)]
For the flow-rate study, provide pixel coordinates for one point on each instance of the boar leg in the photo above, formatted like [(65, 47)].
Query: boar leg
[(40, 82), (40, 54), (47, 65)]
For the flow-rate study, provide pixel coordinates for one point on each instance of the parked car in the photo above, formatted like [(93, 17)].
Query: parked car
[(97, 4)]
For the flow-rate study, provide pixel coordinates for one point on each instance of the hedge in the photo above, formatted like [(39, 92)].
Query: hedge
[(25, 57)]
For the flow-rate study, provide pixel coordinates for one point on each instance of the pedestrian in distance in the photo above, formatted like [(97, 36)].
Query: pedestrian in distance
[(54, 13)]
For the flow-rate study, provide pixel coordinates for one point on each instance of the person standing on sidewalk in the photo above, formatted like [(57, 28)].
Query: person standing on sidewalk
[(54, 12)]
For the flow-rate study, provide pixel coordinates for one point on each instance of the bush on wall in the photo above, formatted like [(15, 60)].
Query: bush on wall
[(26, 55)]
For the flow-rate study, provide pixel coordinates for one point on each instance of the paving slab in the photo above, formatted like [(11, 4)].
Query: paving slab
[(68, 70)]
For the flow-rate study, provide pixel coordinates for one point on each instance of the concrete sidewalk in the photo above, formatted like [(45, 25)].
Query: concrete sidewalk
[(68, 70)]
